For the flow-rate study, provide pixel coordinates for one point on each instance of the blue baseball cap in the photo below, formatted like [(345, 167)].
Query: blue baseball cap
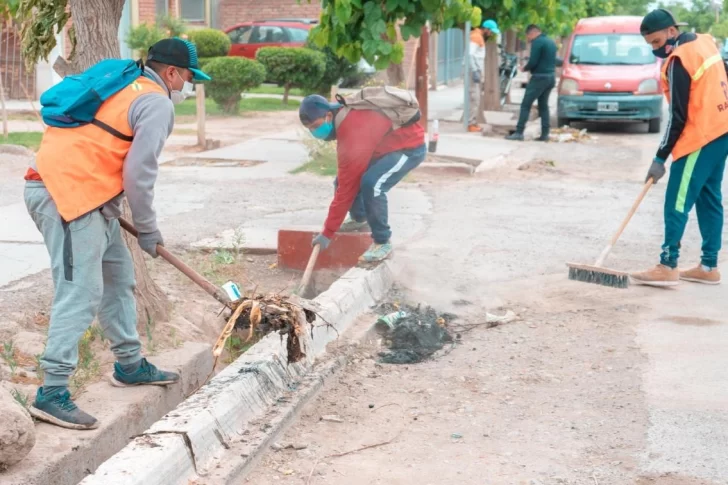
[(313, 107), (491, 25), (178, 53)]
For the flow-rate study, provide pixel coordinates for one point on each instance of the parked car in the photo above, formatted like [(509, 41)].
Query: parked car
[(248, 37), (610, 74)]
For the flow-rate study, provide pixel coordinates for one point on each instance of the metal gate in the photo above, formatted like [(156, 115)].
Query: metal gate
[(18, 82), (450, 54)]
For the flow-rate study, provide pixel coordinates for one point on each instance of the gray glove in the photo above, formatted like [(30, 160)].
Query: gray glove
[(321, 240), (476, 77), (148, 242), (656, 171)]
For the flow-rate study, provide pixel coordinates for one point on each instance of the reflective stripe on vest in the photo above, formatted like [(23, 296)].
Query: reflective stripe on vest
[(82, 167), (707, 117)]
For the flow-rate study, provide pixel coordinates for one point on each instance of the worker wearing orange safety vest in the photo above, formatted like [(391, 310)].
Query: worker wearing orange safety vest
[(695, 83), (73, 193)]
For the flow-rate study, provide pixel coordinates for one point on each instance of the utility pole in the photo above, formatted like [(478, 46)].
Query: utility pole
[(421, 77)]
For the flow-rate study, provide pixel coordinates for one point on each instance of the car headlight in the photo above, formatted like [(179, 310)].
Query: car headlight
[(648, 86), (569, 87)]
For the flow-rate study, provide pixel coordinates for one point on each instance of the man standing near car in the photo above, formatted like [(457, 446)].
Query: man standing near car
[(476, 57), (695, 83), (542, 66)]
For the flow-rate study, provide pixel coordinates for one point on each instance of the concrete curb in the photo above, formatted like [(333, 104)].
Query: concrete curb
[(123, 413), (188, 441)]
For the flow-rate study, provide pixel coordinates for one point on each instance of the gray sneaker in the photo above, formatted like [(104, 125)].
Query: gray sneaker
[(56, 407), (351, 225)]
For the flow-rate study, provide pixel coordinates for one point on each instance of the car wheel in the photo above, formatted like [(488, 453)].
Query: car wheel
[(561, 122), (654, 125)]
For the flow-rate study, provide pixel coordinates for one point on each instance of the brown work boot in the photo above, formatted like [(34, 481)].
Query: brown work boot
[(699, 275), (473, 128), (660, 275)]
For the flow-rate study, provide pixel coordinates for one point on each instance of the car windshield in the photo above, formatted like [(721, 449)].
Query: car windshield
[(610, 50)]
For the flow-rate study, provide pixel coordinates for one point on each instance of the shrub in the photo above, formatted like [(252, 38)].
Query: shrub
[(141, 37), (337, 68), (292, 67), (210, 42), (231, 76)]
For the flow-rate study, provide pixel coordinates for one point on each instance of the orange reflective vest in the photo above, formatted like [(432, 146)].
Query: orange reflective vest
[(708, 106), (82, 167)]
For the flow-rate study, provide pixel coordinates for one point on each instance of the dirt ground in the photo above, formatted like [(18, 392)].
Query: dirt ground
[(592, 386), (195, 316)]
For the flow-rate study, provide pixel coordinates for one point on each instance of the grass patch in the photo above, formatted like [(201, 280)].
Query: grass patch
[(89, 365), (29, 139), (322, 158), (189, 106), (271, 89)]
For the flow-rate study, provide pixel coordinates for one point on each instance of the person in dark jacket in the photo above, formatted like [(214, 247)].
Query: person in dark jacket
[(371, 159), (542, 66)]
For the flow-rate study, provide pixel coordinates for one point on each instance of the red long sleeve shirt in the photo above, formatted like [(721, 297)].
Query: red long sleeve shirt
[(363, 136)]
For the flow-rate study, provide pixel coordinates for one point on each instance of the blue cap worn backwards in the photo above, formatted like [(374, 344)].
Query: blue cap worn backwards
[(178, 53), (491, 25), (313, 107)]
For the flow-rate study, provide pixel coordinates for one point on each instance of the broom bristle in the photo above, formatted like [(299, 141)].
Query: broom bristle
[(609, 278)]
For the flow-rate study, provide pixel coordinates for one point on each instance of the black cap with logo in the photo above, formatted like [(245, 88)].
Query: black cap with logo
[(658, 20)]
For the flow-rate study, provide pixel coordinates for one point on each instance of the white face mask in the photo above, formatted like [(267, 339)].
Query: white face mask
[(179, 96)]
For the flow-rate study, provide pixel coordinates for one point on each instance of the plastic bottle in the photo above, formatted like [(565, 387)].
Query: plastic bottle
[(434, 136)]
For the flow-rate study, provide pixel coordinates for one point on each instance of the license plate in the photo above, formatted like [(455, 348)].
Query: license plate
[(610, 107)]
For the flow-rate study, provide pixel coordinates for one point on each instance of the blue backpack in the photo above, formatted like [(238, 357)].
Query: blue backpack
[(76, 99)]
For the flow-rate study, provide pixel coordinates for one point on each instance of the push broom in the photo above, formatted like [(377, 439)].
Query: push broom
[(597, 273)]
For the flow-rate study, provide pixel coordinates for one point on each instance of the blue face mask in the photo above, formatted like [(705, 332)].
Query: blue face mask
[(323, 131)]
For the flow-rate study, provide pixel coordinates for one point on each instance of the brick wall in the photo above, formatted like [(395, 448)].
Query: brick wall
[(147, 11), (232, 12)]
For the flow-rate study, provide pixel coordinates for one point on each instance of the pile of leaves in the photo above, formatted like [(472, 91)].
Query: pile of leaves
[(264, 314)]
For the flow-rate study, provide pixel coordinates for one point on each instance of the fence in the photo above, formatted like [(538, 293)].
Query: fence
[(450, 54), (18, 82)]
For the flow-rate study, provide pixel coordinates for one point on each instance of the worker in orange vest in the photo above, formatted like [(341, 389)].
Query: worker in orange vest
[(73, 193), (695, 82)]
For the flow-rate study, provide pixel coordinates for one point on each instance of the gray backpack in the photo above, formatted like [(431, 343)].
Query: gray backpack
[(399, 105)]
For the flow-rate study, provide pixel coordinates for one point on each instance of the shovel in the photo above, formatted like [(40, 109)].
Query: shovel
[(196, 277)]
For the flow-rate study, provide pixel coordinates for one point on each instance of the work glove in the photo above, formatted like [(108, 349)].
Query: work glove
[(476, 77), (321, 240), (656, 171), (148, 242)]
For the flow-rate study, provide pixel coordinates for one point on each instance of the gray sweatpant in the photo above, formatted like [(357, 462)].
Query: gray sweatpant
[(93, 275), (474, 91)]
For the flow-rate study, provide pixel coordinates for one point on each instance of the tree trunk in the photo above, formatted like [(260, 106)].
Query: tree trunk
[(395, 74), (2, 98), (286, 89), (511, 47), (97, 25), (491, 96)]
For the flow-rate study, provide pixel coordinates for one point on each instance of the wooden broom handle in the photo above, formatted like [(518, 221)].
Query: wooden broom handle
[(309, 269), (626, 220), (196, 277)]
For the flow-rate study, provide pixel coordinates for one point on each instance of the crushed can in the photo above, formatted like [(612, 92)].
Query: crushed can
[(232, 290), (434, 136), (387, 322)]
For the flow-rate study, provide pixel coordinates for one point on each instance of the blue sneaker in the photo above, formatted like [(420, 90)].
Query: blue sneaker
[(376, 253), (56, 407), (147, 374)]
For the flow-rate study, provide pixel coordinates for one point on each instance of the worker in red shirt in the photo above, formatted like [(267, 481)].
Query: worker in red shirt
[(371, 158)]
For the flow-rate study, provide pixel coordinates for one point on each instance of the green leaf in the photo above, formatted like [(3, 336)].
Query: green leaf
[(391, 32), (391, 5), (385, 48), (343, 11), (379, 28), (383, 62), (370, 47), (397, 53)]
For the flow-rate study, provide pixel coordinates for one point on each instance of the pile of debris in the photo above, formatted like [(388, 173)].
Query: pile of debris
[(412, 333), (566, 134), (264, 314)]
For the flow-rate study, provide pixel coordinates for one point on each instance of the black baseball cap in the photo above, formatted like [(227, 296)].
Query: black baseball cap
[(178, 53), (658, 20)]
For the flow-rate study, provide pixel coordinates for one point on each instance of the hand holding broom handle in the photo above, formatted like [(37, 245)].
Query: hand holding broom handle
[(631, 212), (200, 280)]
